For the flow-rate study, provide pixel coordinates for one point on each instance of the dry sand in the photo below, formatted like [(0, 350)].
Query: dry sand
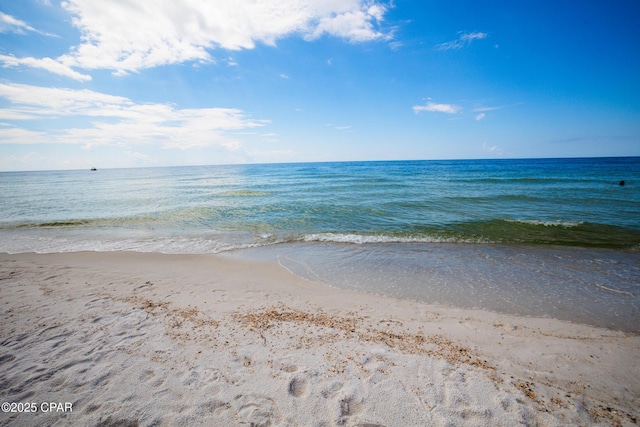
[(131, 339)]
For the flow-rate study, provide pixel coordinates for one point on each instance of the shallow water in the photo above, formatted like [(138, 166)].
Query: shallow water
[(599, 287)]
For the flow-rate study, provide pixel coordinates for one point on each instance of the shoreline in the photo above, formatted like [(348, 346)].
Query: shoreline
[(181, 339), (521, 280)]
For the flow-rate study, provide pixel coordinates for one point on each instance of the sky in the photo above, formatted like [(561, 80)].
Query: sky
[(132, 83)]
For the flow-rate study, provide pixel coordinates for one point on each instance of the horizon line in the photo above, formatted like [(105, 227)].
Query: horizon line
[(95, 168)]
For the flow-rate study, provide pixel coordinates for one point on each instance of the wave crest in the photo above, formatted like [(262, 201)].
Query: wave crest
[(557, 223), (361, 239)]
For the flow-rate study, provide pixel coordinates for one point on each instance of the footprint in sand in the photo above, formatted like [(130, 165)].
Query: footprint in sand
[(258, 411), (285, 365), (298, 386), (5, 358), (216, 407), (146, 375), (116, 422), (350, 406), (330, 390), (290, 368)]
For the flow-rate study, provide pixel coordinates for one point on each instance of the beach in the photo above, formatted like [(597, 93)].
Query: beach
[(361, 213), (126, 339)]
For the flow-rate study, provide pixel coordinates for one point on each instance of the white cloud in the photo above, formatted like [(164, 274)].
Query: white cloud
[(344, 127), (138, 158), (284, 76), (493, 149), (130, 35), (437, 108), (9, 24), (356, 25), (463, 40), (34, 160), (18, 134), (469, 37), (269, 137), (484, 109), (116, 121), (51, 65)]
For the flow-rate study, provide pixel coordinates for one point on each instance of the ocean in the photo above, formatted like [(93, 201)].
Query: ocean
[(533, 237)]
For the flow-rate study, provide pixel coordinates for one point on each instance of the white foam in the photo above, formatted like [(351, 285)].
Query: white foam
[(361, 239), (557, 223)]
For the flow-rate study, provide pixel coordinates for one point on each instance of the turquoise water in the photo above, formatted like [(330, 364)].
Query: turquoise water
[(413, 229)]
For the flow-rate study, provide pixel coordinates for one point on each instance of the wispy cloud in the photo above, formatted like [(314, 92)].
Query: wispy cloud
[(437, 108), (116, 121), (500, 107), (10, 24), (592, 138), (483, 110), (463, 40), (51, 65), (140, 157), (342, 127), (493, 149)]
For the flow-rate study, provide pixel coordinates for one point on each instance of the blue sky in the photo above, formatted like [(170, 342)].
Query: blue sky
[(148, 83)]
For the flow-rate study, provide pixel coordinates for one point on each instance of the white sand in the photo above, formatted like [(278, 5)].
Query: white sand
[(146, 339)]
